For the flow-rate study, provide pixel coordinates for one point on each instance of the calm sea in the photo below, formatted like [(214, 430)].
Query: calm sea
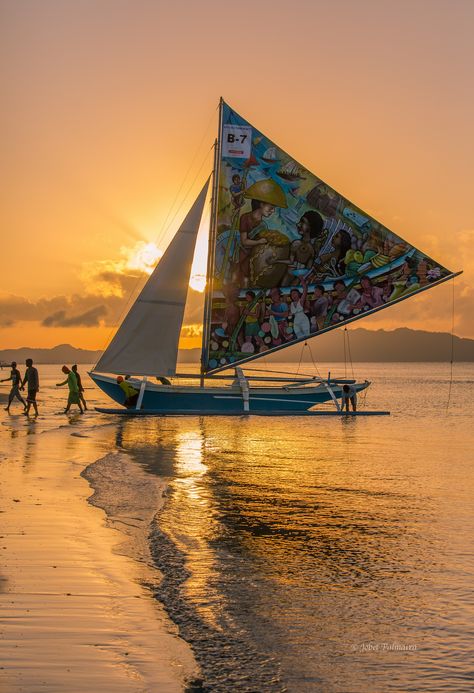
[(321, 554)]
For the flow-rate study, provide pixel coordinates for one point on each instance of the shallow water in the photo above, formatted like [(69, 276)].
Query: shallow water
[(323, 554), (319, 554)]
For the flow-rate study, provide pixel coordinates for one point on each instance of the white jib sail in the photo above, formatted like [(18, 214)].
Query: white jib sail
[(146, 342)]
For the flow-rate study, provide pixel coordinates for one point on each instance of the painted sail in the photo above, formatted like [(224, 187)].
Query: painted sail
[(146, 342), (292, 258)]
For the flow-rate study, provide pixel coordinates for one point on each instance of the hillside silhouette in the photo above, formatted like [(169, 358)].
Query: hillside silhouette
[(402, 344)]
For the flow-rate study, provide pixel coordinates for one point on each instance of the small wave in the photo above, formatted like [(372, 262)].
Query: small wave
[(229, 658)]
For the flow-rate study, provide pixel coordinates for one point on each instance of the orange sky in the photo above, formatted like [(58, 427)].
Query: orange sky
[(111, 112)]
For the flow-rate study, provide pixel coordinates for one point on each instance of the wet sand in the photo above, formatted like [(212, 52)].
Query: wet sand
[(77, 615)]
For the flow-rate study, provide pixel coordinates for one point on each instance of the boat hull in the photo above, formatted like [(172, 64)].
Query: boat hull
[(182, 399)]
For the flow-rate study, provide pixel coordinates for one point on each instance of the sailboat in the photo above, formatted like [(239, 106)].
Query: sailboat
[(284, 266)]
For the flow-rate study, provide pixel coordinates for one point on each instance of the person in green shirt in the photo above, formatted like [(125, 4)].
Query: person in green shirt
[(79, 386), (71, 382), (131, 395)]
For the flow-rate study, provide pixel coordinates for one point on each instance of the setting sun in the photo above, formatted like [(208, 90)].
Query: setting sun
[(144, 257)]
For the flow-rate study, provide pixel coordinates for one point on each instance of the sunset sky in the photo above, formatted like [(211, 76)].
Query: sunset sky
[(110, 111)]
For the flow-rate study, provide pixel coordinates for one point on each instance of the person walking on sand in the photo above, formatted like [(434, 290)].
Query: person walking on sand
[(32, 378), (15, 377), (71, 382), (79, 386)]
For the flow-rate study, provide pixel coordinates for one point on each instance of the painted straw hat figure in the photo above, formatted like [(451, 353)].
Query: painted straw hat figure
[(265, 195)]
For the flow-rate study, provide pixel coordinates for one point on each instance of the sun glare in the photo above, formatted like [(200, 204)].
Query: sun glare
[(198, 282), (144, 257)]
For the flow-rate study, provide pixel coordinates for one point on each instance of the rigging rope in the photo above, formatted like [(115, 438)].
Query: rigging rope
[(452, 350), (363, 395), (350, 354), (345, 356), (347, 353), (315, 365), (165, 226)]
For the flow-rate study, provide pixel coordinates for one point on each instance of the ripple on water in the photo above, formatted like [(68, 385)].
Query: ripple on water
[(320, 555)]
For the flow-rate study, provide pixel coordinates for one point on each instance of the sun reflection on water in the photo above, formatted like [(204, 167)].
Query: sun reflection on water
[(306, 540)]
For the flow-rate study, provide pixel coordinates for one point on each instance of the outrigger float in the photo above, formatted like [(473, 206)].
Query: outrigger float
[(289, 259)]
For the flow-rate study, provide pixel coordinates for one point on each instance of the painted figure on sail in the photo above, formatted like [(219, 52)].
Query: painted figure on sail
[(257, 242), (311, 259)]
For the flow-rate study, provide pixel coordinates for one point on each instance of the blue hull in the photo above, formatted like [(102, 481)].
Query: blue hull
[(222, 400)]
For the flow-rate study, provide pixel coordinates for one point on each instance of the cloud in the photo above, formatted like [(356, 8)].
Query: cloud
[(110, 288), (90, 309), (90, 318), (14, 309), (120, 277)]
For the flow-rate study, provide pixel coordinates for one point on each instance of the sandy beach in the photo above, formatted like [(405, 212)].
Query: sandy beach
[(77, 615), (194, 553)]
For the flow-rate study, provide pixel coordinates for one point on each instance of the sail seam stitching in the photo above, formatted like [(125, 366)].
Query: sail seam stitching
[(155, 300)]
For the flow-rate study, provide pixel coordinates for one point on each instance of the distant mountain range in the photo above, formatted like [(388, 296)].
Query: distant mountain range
[(402, 344)]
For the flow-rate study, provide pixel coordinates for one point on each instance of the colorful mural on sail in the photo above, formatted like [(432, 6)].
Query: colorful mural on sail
[(293, 257)]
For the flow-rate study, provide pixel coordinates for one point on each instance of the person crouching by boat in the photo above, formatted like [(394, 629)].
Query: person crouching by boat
[(32, 378), (79, 386), (71, 382), (131, 395), (349, 394), (15, 377)]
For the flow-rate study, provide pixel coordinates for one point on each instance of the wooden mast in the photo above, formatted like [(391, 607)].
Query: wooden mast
[(211, 246)]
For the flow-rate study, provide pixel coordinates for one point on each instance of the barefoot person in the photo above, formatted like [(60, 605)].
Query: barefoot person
[(80, 387), (71, 382), (131, 395), (349, 394), (15, 377), (32, 378)]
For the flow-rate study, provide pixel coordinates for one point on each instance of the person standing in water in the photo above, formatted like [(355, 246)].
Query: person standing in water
[(15, 377), (79, 386), (71, 382), (32, 378), (349, 394)]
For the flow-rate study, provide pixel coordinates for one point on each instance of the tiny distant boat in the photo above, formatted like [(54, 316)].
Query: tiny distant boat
[(245, 317), (270, 155), (291, 171)]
